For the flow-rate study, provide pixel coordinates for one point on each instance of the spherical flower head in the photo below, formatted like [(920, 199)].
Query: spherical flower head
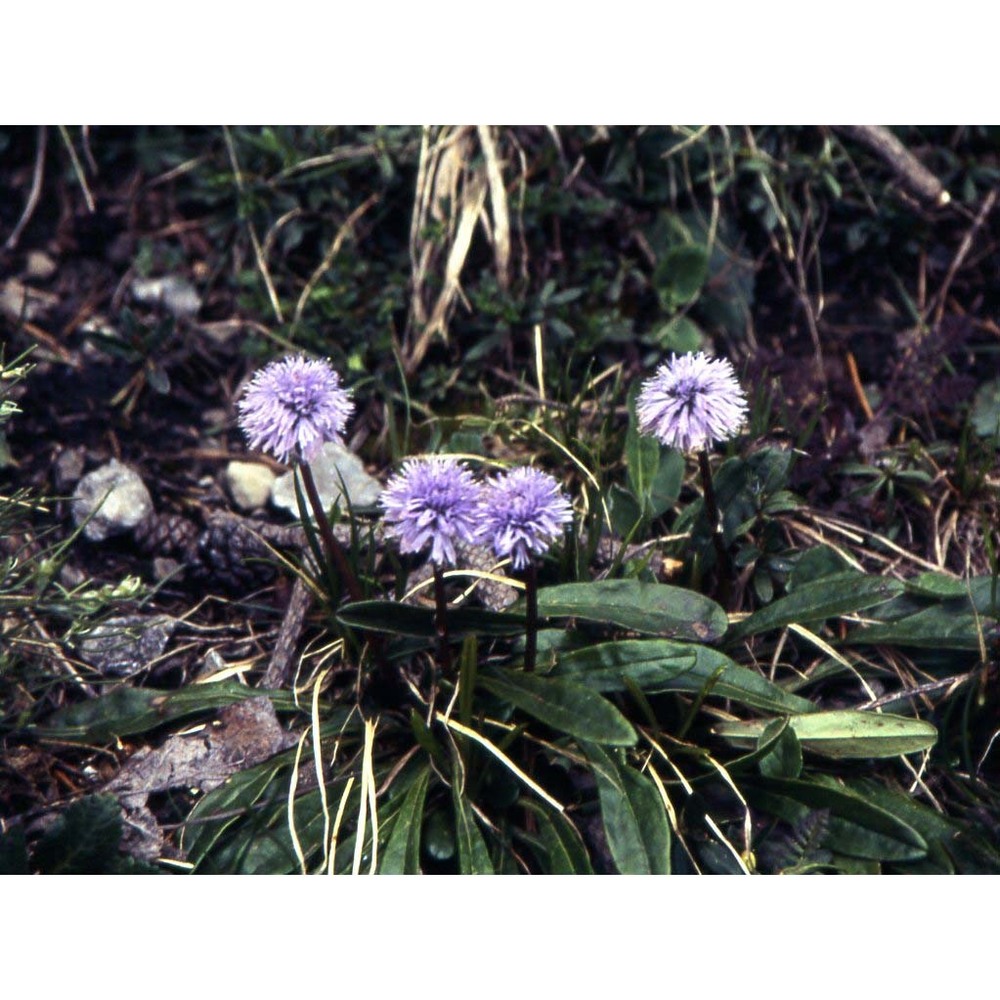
[(692, 401), (293, 406), (435, 502), (523, 512)]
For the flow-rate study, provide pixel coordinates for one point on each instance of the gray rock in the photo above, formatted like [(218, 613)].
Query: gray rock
[(124, 645), (39, 266), (176, 294), (21, 302), (333, 464), (114, 498), (68, 468), (248, 484)]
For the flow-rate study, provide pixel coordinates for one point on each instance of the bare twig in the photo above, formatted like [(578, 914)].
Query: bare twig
[(914, 175), (963, 251), (279, 668), (331, 254), (78, 169)]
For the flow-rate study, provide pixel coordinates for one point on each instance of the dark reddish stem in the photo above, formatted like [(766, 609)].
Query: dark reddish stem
[(531, 626), (334, 550), (724, 565), (441, 621)]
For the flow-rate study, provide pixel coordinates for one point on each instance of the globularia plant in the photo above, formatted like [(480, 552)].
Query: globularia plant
[(290, 409), (523, 511), (433, 503), (690, 403)]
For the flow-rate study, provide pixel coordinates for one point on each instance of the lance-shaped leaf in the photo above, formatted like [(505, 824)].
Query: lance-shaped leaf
[(653, 608), (843, 734), (635, 821), (858, 827), (658, 665), (565, 706), (402, 853), (840, 594), (473, 856)]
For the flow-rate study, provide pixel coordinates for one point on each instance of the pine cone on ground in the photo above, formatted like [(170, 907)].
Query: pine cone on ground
[(167, 535), (231, 551)]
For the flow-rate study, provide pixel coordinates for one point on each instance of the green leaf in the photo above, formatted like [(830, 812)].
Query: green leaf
[(406, 619), (635, 821), (473, 857), (565, 853), (932, 628), (783, 759), (439, 836), (814, 564), (626, 511), (83, 840), (840, 594), (126, 711), (402, 854), (955, 846), (14, 853), (680, 336), (857, 828), (666, 485), (658, 665), (655, 608), (229, 801), (564, 705), (843, 734), (642, 456), (680, 274), (937, 585)]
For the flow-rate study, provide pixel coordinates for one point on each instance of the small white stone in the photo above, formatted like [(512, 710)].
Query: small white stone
[(249, 484), (334, 465), (114, 498), (176, 294), (39, 265)]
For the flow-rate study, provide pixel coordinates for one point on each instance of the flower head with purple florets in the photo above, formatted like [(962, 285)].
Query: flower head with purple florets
[(435, 502), (523, 511), (692, 401), (293, 406)]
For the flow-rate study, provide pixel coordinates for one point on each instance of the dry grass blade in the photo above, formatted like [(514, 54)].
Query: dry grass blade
[(366, 804), (81, 177), (318, 760), (503, 758), (498, 205), (34, 194), (450, 200), (473, 197), (292, 788), (341, 809), (828, 650), (257, 249)]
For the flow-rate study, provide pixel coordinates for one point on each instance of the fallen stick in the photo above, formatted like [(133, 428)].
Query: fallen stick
[(909, 169)]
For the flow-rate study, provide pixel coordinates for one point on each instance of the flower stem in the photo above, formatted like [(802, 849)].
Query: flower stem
[(334, 550), (441, 621), (531, 626), (724, 564)]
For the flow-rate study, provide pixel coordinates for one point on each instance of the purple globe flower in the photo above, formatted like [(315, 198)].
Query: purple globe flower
[(432, 501), (692, 401), (293, 406), (523, 511)]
